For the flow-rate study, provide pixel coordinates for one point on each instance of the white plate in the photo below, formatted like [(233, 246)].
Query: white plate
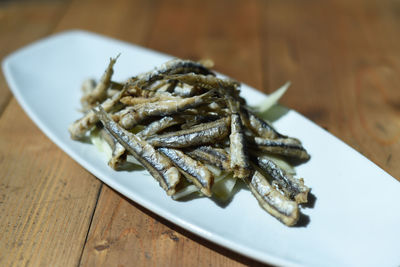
[(355, 220)]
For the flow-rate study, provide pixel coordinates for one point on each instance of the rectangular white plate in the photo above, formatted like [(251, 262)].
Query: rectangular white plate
[(355, 220)]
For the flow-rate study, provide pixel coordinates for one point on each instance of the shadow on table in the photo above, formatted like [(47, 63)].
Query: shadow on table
[(219, 249)]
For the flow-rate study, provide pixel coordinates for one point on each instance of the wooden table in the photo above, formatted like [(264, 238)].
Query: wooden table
[(343, 58)]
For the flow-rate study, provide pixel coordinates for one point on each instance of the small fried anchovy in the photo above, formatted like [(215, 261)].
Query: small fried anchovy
[(142, 93), (238, 152), (99, 93), (208, 82), (289, 147), (131, 116), (193, 170), (79, 128), (239, 159), (161, 86), (114, 88), (159, 125), (214, 156), (88, 87), (292, 187), (158, 165), (192, 120), (259, 126), (271, 200), (175, 66), (201, 134), (132, 101), (154, 88)]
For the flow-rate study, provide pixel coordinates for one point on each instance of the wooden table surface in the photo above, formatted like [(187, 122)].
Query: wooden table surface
[(343, 58)]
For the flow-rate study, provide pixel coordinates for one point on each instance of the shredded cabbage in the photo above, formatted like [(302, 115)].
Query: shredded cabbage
[(271, 99), (187, 190), (223, 188), (133, 160), (100, 144)]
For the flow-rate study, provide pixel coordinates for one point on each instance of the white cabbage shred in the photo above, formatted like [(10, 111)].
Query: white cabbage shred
[(272, 99)]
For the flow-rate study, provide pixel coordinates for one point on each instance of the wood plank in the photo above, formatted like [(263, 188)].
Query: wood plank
[(46, 208), (375, 85), (214, 30), (123, 231), (126, 20), (343, 62), (46, 199), (20, 24)]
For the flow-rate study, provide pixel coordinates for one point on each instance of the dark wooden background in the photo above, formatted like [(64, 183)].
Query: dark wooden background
[(343, 58)]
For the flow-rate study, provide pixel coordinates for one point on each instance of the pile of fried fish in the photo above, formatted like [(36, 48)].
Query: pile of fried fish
[(192, 129)]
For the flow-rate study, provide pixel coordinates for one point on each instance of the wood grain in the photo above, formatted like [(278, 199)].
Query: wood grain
[(43, 208), (126, 20), (344, 66), (201, 29), (123, 233), (22, 24), (46, 199)]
